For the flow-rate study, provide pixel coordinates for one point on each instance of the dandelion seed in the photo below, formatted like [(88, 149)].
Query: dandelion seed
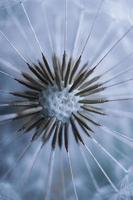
[(61, 99)]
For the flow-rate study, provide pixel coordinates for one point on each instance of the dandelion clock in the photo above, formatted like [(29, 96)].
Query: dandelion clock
[(66, 102)]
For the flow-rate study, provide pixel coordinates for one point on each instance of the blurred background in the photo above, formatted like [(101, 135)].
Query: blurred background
[(111, 20)]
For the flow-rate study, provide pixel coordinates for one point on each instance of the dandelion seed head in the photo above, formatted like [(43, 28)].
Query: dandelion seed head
[(59, 103), (55, 97)]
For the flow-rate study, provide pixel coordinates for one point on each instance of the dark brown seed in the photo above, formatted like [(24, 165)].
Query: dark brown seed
[(67, 73), (63, 67), (93, 110), (81, 121), (88, 83), (29, 111), (24, 103), (45, 73), (89, 89), (32, 80), (56, 133), (60, 136), (47, 66), (49, 130), (33, 124), (88, 119), (26, 95), (75, 131), (57, 71), (66, 136), (98, 90), (74, 69), (29, 85), (94, 101), (41, 128), (77, 82)]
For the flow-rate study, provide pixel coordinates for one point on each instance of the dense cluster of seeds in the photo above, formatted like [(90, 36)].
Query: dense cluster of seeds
[(63, 98), (59, 98)]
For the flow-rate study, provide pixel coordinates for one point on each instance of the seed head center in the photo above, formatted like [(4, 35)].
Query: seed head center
[(60, 104)]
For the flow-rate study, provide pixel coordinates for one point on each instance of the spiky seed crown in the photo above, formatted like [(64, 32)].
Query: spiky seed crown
[(57, 97)]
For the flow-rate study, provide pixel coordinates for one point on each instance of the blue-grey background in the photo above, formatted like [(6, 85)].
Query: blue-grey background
[(48, 20)]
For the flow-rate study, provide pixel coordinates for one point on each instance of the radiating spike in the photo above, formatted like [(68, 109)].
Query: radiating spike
[(84, 67), (102, 170), (31, 93), (89, 169), (77, 82), (33, 80), (32, 124), (47, 66), (66, 136), (88, 83), (63, 66), (41, 130), (83, 125), (75, 131), (87, 74), (109, 155), (74, 69), (94, 101), (39, 70), (29, 85), (26, 95), (55, 136), (29, 111), (24, 113), (71, 171), (93, 110), (67, 73), (45, 73), (88, 118), (49, 176), (7, 117), (47, 134), (92, 92), (26, 124), (35, 71), (60, 136), (20, 104), (57, 71), (82, 121), (89, 89), (2, 105)]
